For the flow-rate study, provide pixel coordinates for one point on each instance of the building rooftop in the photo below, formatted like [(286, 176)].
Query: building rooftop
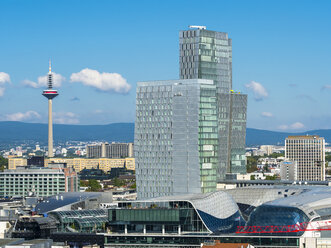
[(61, 200), (304, 137), (178, 81)]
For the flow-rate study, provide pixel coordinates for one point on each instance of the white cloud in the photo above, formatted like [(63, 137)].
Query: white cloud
[(294, 126), (29, 115), (4, 78), (297, 125), (259, 91), (283, 127), (326, 87), (42, 81), (2, 91), (102, 81), (266, 114), (98, 111), (65, 118)]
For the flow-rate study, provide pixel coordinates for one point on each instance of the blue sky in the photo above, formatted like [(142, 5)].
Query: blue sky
[(281, 46)]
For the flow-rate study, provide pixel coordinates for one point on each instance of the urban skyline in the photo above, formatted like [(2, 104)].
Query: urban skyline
[(285, 72)]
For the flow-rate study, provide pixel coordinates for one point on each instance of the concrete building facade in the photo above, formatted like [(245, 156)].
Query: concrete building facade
[(309, 153), (16, 162), (289, 170), (105, 164), (40, 182), (113, 150)]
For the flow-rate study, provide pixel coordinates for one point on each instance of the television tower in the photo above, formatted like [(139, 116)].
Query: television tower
[(50, 93)]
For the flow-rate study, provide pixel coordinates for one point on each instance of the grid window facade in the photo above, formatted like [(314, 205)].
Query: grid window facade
[(309, 153), (40, 182)]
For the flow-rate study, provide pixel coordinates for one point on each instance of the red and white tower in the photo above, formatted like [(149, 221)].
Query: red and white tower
[(50, 93)]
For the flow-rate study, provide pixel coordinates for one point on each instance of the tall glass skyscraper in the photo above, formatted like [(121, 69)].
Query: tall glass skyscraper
[(206, 54), (176, 140), (190, 133)]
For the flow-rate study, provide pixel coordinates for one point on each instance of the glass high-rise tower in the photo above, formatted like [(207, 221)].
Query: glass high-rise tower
[(206, 54), (176, 137), (190, 133)]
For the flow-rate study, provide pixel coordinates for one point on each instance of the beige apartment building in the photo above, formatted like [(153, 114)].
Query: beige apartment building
[(105, 164), (14, 162), (309, 153)]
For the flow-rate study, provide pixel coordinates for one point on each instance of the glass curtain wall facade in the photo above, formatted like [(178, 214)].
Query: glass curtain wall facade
[(206, 54), (175, 137), (80, 220), (208, 139)]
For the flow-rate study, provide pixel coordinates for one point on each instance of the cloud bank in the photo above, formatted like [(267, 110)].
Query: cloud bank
[(4, 78), (19, 116), (294, 126), (42, 81), (259, 91), (266, 114), (102, 81), (326, 87), (65, 118)]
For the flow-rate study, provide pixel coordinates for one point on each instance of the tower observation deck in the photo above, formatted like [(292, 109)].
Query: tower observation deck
[(50, 93)]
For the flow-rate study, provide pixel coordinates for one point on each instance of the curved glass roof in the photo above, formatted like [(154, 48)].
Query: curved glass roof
[(90, 223), (70, 216)]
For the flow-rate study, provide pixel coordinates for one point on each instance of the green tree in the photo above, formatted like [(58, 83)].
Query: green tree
[(3, 163), (252, 164), (118, 183), (93, 185), (133, 186), (276, 155), (83, 183), (267, 177), (266, 167)]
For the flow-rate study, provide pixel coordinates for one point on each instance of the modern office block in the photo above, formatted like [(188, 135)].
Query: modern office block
[(214, 212), (113, 150), (120, 150), (176, 137), (206, 54), (94, 151), (289, 170), (38, 181), (309, 153)]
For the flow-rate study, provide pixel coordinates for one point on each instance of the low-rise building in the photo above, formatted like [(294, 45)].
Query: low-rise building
[(38, 181), (105, 164), (14, 162)]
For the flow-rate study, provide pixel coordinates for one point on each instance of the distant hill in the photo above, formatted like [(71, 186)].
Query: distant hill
[(12, 131), (265, 137)]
